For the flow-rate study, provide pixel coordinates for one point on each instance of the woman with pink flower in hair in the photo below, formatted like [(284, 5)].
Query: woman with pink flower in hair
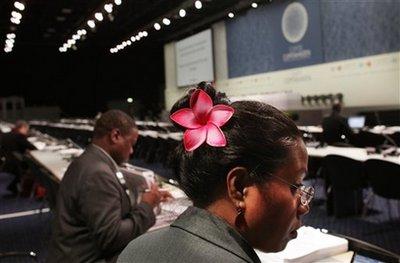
[(242, 165)]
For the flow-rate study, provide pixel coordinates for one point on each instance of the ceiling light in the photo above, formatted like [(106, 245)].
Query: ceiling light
[(140, 34), (11, 36), (108, 8), (157, 26), (10, 42), (15, 21), (129, 42), (198, 4), (16, 14), (71, 41), (118, 2), (129, 100), (76, 37), (91, 24), (120, 47), (182, 13), (137, 38), (133, 39), (166, 21), (254, 5), (124, 44), (19, 6), (68, 45), (145, 34), (82, 32), (7, 49), (231, 15), (99, 16), (62, 49)]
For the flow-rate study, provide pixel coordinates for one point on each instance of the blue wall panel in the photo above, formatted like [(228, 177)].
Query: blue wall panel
[(349, 28)]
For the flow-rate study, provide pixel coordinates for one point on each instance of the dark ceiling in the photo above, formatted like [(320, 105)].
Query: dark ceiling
[(47, 24), (83, 80)]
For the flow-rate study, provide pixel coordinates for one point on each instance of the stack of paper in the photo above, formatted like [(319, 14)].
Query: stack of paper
[(309, 246)]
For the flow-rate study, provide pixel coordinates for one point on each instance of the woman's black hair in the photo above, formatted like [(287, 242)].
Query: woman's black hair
[(257, 133)]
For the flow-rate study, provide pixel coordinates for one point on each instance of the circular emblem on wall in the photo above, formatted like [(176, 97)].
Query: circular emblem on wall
[(294, 22)]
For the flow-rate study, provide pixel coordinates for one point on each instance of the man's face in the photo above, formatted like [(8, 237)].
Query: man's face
[(123, 145)]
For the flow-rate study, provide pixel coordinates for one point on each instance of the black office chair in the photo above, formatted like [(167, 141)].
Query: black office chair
[(344, 179), (384, 179)]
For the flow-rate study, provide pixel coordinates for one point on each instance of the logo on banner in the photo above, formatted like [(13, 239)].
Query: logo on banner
[(294, 26)]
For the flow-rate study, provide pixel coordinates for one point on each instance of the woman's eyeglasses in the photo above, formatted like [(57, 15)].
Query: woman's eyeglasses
[(306, 192)]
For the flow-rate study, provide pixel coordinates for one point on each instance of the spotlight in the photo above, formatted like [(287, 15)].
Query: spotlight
[(108, 8), (11, 36), (231, 15), (157, 26), (198, 4), (254, 5), (15, 21), (91, 24), (16, 14), (19, 6), (166, 21), (99, 16), (118, 2), (182, 13)]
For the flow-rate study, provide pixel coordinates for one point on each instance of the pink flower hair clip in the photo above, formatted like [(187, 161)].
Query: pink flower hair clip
[(203, 121)]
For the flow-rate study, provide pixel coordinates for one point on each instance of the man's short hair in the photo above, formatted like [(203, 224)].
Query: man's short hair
[(113, 119)]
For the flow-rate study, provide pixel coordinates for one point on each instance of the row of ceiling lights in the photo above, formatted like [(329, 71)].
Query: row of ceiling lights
[(99, 17), (166, 22), (16, 17), (81, 33), (157, 26)]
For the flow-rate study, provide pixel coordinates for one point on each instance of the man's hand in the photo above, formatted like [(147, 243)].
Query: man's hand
[(154, 196)]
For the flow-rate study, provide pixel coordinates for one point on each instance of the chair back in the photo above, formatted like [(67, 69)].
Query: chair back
[(384, 178), (344, 179)]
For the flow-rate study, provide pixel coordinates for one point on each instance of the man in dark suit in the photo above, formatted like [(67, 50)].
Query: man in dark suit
[(13, 145), (95, 217), (336, 131)]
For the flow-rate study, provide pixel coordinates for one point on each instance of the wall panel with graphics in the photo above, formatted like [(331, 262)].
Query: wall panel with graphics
[(288, 34)]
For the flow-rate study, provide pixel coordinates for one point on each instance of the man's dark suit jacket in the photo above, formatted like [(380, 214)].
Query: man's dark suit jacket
[(94, 219), (196, 236), (334, 127)]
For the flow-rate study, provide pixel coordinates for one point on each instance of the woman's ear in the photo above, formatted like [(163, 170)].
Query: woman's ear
[(237, 182)]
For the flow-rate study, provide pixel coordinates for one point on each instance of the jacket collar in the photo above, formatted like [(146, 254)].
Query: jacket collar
[(100, 153), (203, 224)]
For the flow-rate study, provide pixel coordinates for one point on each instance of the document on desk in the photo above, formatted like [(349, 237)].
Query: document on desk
[(169, 211), (311, 245)]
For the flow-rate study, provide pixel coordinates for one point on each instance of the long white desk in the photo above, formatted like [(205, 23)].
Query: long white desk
[(55, 162), (359, 154)]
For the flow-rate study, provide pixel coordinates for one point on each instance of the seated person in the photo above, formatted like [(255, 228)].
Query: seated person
[(12, 143), (336, 131), (242, 165)]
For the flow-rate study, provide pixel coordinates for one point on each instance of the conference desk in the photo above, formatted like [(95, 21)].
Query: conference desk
[(55, 162), (359, 154)]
